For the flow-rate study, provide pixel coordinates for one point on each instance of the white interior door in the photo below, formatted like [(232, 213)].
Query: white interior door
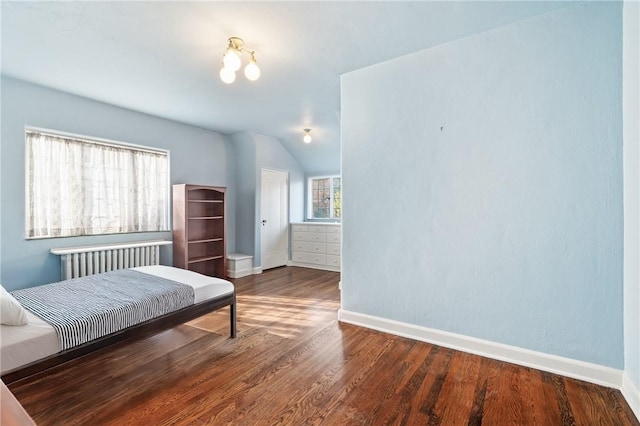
[(274, 223)]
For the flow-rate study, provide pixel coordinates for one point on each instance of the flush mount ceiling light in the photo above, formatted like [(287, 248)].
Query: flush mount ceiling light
[(232, 61), (307, 136)]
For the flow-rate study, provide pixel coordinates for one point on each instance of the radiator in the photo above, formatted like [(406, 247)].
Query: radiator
[(88, 260)]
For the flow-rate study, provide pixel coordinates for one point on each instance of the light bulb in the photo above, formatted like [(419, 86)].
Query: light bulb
[(251, 71), (227, 75), (231, 59), (307, 136)]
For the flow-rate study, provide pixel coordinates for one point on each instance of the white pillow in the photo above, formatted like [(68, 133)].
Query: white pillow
[(11, 311)]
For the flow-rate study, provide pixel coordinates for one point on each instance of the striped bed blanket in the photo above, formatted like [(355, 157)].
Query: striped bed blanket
[(84, 309)]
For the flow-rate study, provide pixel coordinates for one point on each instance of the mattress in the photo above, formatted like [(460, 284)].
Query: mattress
[(21, 345), (205, 287)]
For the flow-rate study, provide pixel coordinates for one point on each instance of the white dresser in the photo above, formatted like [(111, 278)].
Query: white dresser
[(316, 245)]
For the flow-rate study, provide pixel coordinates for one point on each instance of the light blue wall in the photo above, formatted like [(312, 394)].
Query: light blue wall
[(270, 154), (255, 152), (245, 150), (483, 186), (631, 105), (197, 156), (0, 179)]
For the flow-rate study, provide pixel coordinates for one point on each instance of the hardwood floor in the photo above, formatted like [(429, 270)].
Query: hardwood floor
[(293, 363)]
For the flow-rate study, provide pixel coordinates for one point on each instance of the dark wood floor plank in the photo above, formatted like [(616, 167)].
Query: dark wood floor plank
[(411, 376), (375, 410), (616, 401), (423, 400), (464, 369), (546, 409), (511, 395), (534, 398), (588, 404), (480, 393), (312, 399), (492, 406), (293, 363), (291, 376), (341, 408), (564, 405)]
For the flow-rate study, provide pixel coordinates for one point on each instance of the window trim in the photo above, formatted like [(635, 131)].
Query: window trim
[(309, 195), (95, 140), (98, 141)]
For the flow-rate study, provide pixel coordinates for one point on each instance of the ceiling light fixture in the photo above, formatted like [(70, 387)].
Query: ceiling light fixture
[(307, 136), (232, 61)]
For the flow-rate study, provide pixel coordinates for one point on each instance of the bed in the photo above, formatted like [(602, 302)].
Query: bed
[(36, 346)]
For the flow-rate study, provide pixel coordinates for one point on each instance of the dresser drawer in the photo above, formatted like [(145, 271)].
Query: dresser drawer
[(333, 249), (333, 238), (317, 259), (309, 236), (333, 229), (301, 228), (333, 260), (308, 246)]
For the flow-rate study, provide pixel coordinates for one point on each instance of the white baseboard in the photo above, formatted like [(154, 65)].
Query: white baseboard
[(631, 393), (243, 272), (581, 370), (239, 274), (312, 266)]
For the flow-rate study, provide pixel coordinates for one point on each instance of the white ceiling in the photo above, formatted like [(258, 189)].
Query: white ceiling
[(163, 58)]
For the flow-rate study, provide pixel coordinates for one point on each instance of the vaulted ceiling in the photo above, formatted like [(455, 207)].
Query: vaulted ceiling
[(163, 58)]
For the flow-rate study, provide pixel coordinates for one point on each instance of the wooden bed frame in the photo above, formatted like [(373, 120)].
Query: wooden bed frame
[(146, 328)]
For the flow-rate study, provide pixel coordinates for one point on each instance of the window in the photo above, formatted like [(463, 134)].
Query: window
[(77, 186), (325, 198)]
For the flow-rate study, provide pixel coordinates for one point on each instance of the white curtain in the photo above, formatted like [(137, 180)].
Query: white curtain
[(79, 187)]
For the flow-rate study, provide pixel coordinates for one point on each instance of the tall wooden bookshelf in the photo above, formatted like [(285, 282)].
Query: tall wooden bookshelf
[(199, 229)]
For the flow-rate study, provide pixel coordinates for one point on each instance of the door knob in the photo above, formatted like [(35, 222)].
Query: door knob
[(264, 222)]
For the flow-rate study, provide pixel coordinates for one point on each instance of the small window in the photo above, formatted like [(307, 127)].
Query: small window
[(79, 186), (325, 198)]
